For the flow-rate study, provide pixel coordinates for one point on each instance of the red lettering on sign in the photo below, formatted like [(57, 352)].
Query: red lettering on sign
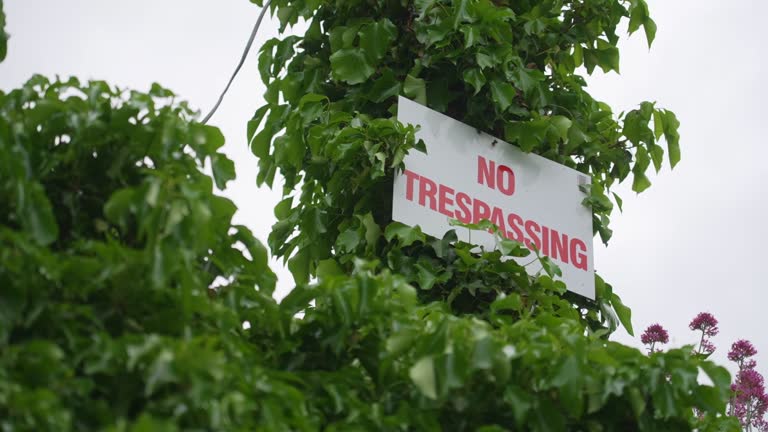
[(427, 189), (579, 258), (497, 217), (486, 174), (533, 229), (559, 246), (480, 211), (505, 178), (410, 177), (489, 175), (445, 200), (463, 214), (515, 224), (442, 198)]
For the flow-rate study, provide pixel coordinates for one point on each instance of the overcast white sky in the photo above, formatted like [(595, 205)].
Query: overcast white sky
[(693, 242)]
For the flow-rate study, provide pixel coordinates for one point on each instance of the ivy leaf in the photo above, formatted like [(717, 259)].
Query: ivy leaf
[(385, 87), (528, 135), (407, 235), (475, 78), (423, 6), (471, 36), (415, 88), (375, 39), (460, 13), (562, 124), (503, 94), (484, 60), (351, 66), (526, 79)]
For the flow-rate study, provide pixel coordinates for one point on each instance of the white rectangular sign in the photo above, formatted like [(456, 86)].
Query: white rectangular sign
[(471, 176)]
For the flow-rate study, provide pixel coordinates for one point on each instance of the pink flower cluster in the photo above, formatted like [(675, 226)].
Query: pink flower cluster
[(654, 334), (706, 323), (740, 352), (749, 401)]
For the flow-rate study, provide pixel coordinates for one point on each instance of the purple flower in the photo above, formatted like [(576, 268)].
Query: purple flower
[(654, 334), (749, 384), (706, 323), (740, 351), (707, 347)]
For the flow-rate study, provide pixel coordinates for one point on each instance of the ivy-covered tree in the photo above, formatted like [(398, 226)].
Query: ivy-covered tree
[(130, 302), (506, 68)]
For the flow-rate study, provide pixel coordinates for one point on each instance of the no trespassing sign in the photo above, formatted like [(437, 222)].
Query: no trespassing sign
[(471, 176)]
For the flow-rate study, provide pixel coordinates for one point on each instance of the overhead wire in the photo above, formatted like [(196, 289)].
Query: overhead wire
[(242, 61)]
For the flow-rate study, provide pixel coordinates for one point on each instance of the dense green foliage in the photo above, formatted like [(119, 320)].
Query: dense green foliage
[(124, 286), (507, 68), (3, 35)]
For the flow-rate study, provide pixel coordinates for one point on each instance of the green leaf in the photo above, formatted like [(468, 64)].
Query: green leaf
[(385, 87), (528, 135), (415, 88), (484, 60), (423, 376), (672, 137), (623, 312), (650, 30), (36, 213), (3, 34), (475, 78), (638, 12), (423, 6), (578, 55), (640, 182), (407, 235), (283, 208), (376, 38), (526, 79), (513, 248), (223, 170), (503, 94), (351, 66), (460, 12), (472, 36), (657, 155), (658, 124), (511, 301), (664, 401), (299, 267), (562, 124), (520, 401), (719, 375)]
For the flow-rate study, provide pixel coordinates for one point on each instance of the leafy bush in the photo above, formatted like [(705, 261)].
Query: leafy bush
[(130, 302)]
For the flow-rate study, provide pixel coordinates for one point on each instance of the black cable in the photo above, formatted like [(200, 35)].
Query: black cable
[(242, 60)]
